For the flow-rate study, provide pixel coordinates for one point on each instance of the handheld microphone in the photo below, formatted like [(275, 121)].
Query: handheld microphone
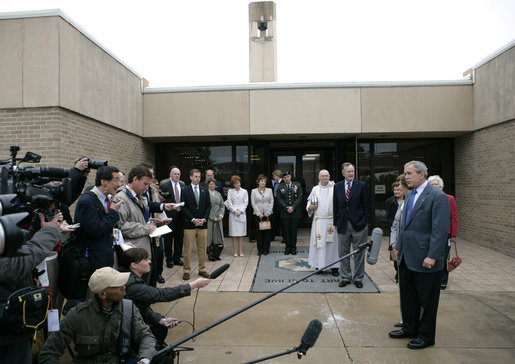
[(309, 338), (375, 238), (214, 274)]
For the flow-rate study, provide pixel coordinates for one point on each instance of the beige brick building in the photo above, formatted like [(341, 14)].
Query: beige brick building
[(63, 96)]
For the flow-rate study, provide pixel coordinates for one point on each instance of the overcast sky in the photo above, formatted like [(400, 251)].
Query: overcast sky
[(205, 42)]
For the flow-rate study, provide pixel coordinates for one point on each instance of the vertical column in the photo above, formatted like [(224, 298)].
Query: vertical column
[(262, 42)]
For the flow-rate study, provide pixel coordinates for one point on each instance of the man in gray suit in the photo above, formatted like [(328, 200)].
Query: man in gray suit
[(420, 256)]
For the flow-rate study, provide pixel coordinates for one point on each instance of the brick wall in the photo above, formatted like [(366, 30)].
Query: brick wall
[(485, 186), (61, 136)]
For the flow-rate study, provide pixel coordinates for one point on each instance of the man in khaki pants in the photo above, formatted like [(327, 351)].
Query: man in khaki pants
[(196, 209)]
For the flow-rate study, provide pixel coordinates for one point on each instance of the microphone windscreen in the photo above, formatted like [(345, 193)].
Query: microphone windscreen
[(375, 237), (311, 334), (214, 274)]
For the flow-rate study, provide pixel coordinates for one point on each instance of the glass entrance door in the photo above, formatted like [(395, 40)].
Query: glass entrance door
[(304, 166)]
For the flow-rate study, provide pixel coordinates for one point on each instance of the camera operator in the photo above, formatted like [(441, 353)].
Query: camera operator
[(16, 273), (79, 174), (49, 212)]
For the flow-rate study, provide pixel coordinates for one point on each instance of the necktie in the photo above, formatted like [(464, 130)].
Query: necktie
[(108, 203), (196, 194), (176, 191), (177, 196), (347, 193), (140, 200), (411, 202)]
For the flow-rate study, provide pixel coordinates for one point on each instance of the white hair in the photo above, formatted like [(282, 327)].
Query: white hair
[(436, 178)]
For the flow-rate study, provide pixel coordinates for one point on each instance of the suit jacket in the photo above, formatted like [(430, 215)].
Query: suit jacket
[(191, 210), (220, 190), (262, 205), (167, 186), (356, 209), (424, 234), (154, 206), (96, 229), (391, 206)]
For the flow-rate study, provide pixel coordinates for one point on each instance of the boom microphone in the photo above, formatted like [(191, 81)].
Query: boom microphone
[(214, 274), (309, 338), (375, 238)]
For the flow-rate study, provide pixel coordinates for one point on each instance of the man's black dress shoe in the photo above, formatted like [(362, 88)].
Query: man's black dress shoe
[(358, 284), (178, 262), (400, 334), (169, 264), (334, 272), (160, 279), (286, 251), (343, 283), (293, 251), (419, 343)]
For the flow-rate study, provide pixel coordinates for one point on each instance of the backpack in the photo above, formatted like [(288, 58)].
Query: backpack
[(26, 309), (74, 268)]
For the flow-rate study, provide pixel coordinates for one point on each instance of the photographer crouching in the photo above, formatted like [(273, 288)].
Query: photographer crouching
[(16, 267)]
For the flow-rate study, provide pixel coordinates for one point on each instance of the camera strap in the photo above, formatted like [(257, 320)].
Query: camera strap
[(125, 328)]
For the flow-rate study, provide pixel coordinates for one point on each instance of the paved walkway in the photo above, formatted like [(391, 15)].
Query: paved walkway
[(476, 320)]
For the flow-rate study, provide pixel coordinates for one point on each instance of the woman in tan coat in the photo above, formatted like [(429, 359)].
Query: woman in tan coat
[(262, 199)]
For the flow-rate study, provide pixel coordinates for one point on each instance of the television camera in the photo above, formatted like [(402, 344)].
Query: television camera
[(25, 190)]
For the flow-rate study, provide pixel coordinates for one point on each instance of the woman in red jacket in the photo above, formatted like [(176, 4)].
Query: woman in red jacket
[(453, 226)]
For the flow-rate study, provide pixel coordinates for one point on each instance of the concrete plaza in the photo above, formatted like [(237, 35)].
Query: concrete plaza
[(475, 319)]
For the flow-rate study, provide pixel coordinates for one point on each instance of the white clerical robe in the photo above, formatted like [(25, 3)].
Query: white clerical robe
[(322, 252)]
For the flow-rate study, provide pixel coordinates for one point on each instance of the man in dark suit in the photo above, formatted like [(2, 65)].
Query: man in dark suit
[(351, 214), (173, 186), (196, 209), (97, 216), (289, 198), (156, 244), (275, 218), (420, 252)]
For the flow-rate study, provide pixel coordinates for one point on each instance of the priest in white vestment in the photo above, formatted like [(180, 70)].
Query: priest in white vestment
[(323, 244)]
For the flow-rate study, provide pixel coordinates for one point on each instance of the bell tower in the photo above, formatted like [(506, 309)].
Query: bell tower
[(262, 42)]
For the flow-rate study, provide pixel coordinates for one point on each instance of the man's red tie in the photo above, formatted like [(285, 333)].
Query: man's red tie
[(108, 203), (347, 193)]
